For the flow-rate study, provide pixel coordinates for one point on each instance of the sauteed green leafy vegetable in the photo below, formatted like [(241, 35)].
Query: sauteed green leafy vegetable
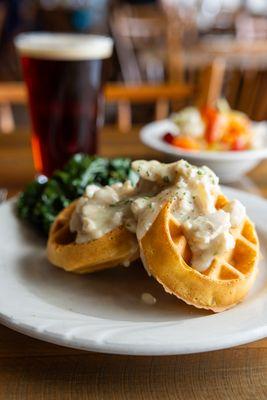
[(42, 200)]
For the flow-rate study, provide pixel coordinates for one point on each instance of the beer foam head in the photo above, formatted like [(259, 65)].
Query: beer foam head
[(64, 46)]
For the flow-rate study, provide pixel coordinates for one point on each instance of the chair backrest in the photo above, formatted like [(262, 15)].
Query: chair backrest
[(124, 95), (206, 92), (149, 40), (161, 94), (139, 33), (181, 32)]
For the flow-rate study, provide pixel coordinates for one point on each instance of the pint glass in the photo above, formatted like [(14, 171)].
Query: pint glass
[(64, 77)]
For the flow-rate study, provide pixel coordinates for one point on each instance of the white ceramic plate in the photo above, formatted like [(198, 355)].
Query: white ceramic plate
[(228, 165), (103, 312)]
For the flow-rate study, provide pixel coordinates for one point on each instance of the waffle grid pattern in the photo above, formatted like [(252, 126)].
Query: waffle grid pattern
[(236, 264)]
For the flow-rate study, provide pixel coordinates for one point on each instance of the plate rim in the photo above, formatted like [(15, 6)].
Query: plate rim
[(139, 351)]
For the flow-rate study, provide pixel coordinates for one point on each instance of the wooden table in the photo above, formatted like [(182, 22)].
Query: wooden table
[(33, 370)]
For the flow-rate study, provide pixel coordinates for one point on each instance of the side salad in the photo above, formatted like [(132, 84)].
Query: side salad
[(43, 198), (213, 128)]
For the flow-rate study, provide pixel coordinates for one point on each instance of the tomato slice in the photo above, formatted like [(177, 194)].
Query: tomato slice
[(185, 142), (239, 144), (211, 118), (168, 138)]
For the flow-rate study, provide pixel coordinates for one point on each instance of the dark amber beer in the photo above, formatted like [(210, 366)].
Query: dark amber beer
[(64, 77)]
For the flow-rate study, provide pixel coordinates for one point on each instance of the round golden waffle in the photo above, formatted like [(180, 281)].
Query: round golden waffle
[(112, 249), (167, 256)]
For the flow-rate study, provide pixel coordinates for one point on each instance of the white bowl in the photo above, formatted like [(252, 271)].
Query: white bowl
[(228, 165)]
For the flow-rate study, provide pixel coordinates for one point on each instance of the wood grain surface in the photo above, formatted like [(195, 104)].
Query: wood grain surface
[(33, 370)]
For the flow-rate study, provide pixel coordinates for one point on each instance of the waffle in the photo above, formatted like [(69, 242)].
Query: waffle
[(167, 256), (114, 248)]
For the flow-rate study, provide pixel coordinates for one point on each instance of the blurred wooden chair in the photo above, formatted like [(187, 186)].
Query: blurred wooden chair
[(249, 86), (139, 33), (11, 93), (135, 28), (181, 33), (149, 40), (124, 95), (206, 92)]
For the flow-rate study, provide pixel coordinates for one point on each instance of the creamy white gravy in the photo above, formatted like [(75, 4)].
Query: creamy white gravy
[(189, 122), (194, 192)]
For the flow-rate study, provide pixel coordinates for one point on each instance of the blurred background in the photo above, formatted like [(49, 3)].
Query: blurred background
[(165, 41)]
